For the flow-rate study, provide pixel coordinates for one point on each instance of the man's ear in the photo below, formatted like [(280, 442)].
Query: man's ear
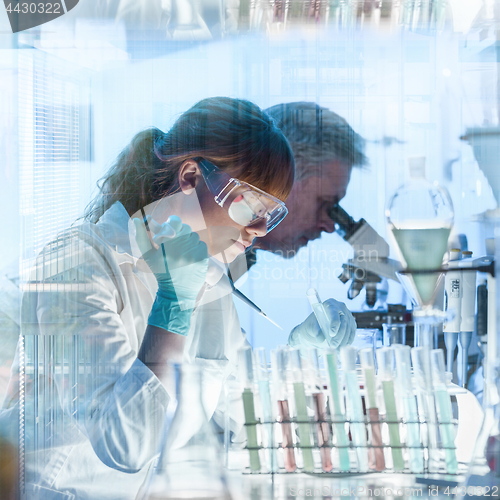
[(189, 176)]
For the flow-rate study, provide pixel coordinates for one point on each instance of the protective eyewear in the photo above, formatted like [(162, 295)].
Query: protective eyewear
[(245, 204)]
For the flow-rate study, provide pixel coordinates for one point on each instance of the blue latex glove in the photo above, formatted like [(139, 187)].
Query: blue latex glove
[(179, 261), (342, 328)]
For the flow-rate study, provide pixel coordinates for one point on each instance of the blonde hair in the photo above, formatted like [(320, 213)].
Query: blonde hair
[(233, 134)]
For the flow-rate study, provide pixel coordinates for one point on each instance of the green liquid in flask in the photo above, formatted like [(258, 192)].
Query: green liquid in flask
[(423, 249)]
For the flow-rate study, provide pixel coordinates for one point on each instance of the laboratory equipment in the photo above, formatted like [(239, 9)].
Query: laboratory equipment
[(189, 465), (262, 376), (444, 410), (355, 414), (453, 302), (320, 414), (370, 263), (394, 333), (468, 314), (420, 217), (385, 360), (319, 311), (337, 408), (423, 380), (279, 363), (245, 363), (301, 410), (409, 405), (368, 369), (247, 301)]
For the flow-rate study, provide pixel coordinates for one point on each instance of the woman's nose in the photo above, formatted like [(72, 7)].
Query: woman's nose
[(257, 230)]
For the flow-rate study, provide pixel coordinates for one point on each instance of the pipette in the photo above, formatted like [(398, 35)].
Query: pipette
[(368, 369), (246, 373), (247, 301), (453, 290)]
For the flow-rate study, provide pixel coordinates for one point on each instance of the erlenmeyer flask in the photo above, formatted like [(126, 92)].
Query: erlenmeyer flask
[(420, 216), (190, 465)]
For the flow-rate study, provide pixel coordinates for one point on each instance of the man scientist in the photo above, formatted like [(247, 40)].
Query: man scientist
[(326, 149)]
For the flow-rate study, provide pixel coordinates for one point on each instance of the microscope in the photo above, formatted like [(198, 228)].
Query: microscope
[(369, 265)]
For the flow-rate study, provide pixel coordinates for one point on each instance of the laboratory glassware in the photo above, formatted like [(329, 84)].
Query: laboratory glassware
[(189, 465), (409, 405), (368, 369), (337, 409), (354, 405), (385, 360), (262, 376), (423, 380), (279, 364), (420, 217), (320, 415), (245, 363), (394, 333), (301, 410), (444, 410), (320, 313)]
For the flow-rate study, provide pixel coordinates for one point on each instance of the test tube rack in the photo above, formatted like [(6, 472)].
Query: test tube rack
[(270, 442)]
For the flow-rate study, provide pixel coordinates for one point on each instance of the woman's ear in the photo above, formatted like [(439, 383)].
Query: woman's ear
[(189, 176)]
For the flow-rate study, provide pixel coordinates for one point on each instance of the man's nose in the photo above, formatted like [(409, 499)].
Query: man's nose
[(325, 223)]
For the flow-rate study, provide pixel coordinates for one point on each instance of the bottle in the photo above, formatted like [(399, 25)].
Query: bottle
[(420, 217), (190, 463)]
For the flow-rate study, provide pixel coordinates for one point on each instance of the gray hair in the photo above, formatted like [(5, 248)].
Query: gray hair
[(317, 136)]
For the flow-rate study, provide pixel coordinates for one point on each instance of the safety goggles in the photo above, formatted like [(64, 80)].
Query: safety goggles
[(245, 204)]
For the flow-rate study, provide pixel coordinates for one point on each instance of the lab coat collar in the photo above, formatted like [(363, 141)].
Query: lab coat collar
[(114, 226)]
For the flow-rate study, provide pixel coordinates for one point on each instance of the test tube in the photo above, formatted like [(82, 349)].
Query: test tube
[(410, 415), (420, 357), (443, 405), (246, 375), (279, 361), (322, 427), (354, 405), (262, 374), (337, 409), (301, 406), (368, 369), (320, 313), (385, 359)]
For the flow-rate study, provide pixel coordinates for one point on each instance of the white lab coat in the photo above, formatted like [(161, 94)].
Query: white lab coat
[(100, 416)]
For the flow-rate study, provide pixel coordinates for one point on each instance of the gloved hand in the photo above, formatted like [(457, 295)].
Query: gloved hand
[(342, 328), (180, 266)]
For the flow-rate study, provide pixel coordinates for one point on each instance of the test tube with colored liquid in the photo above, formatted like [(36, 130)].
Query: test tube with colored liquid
[(262, 375), (368, 368), (322, 426), (420, 357), (245, 362), (279, 362), (354, 405), (444, 410), (410, 415), (385, 360), (301, 408), (337, 409)]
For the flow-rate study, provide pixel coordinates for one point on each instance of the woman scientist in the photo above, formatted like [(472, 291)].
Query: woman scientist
[(112, 300)]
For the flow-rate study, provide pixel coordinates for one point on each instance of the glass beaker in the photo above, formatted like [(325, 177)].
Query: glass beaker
[(394, 333), (190, 465)]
